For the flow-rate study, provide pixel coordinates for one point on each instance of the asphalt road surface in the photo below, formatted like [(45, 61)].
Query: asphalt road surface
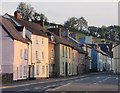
[(91, 83)]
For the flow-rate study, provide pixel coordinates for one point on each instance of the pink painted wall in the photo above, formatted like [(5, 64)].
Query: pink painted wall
[(7, 53)]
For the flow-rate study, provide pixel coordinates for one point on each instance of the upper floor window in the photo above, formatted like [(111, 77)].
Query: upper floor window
[(36, 40), (63, 51), (69, 52), (42, 41), (52, 53), (66, 52), (25, 54), (21, 54), (42, 55), (36, 55)]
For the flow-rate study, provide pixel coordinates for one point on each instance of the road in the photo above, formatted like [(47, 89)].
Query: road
[(102, 82)]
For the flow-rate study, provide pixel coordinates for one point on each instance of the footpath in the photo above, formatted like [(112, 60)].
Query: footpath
[(38, 81)]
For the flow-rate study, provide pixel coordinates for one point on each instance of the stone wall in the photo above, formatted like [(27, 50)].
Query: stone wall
[(6, 78)]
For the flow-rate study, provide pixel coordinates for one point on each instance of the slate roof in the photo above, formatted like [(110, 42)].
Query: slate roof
[(11, 30), (60, 40), (35, 28)]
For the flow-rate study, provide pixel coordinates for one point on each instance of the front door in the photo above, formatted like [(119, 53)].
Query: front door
[(66, 69)]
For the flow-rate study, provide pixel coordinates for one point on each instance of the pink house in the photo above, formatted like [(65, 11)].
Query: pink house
[(14, 52)]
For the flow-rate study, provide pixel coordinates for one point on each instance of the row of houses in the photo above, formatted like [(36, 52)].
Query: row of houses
[(116, 58), (31, 50)]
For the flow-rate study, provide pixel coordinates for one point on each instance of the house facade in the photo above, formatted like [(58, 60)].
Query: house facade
[(39, 65), (14, 52), (63, 60), (81, 62), (116, 58)]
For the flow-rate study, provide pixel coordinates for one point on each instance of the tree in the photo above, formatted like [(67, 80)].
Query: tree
[(26, 10), (81, 23), (71, 23), (76, 24)]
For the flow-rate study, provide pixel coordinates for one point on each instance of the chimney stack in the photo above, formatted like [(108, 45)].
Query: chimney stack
[(18, 15), (42, 22)]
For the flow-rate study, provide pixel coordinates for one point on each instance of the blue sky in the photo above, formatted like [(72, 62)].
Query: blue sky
[(96, 13)]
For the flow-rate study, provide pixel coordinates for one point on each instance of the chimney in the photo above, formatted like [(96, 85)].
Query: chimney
[(18, 15), (59, 32), (42, 22)]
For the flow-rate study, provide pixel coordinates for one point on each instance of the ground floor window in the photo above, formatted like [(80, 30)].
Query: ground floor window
[(20, 71), (43, 70), (37, 70), (63, 68), (25, 70), (69, 68)]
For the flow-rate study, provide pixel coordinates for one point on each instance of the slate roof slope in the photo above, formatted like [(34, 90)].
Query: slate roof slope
[(60, 40), (35, 28), (10, 29)]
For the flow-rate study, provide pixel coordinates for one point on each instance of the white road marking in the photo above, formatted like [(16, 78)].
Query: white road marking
[(47, 87), (25, 90), (37, 88), (61, 86), (97, 77), (48, 90), (81, 79), (76, 80)]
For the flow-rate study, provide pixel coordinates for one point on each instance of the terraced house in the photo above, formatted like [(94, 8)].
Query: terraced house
[(116, 58), (14, 52), (38, 65)]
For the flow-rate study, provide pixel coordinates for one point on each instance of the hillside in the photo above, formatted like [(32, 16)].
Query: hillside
[(95, 39)]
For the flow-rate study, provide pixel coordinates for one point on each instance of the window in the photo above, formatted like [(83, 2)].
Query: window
[(66, 52), (69, 52), (25, 70), (43, 69), (36, 55), (42, 41), (37, 70), (69, 69), (63, 50), (36, 40), (52, 53), (42, 55), (20, 71), (63, 67), (21, 54), (25, 54)]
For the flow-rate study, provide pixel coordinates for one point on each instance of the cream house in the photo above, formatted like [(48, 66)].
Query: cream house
[(38, 62), (14, 52), (116, 58), (63, 57)]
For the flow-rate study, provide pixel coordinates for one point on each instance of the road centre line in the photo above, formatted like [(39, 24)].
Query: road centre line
[(61, 86)]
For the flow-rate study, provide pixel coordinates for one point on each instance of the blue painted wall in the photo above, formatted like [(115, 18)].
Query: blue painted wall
[(94, 56)]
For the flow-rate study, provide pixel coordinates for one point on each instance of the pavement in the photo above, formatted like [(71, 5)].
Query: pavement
[(102, 81)]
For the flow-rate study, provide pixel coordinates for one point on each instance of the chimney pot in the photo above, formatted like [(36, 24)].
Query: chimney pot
[(18, 15)]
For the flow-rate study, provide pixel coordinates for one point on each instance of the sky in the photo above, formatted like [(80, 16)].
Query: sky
[(96, 13)]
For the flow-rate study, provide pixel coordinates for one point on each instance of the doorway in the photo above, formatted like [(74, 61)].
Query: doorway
[(66, 69)]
